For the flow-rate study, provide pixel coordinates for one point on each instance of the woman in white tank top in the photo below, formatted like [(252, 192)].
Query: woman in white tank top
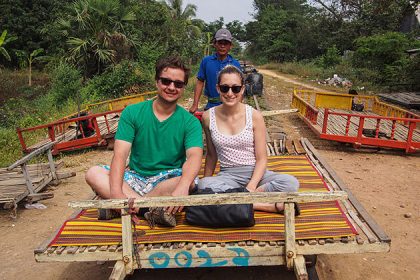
[(235, 135)]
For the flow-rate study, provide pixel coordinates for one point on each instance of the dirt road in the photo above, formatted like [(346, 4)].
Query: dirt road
[(386, 184)]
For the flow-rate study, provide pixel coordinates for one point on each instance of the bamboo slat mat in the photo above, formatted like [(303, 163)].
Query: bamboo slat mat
[(317, 220)]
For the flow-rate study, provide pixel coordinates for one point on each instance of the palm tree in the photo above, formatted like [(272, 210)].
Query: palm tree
[(183, 28), (96, 34), (175, 6), (3, 42)]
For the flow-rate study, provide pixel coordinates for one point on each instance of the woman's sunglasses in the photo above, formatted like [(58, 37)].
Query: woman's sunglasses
[(167, 82), (225, 89)]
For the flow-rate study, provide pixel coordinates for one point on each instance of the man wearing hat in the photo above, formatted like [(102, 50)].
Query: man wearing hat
[(209, 68)]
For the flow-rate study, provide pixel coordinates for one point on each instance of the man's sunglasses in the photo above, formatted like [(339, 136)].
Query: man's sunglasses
[(225, 89), (167, 82), (223, 42)]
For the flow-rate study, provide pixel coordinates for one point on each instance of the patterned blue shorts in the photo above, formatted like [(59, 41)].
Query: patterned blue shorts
[(143, 185)]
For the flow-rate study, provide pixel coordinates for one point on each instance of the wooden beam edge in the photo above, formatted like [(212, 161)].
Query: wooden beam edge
[(379, 232)]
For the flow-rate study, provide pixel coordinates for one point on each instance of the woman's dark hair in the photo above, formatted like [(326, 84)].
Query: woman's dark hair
[(171, 62), (230, 69)]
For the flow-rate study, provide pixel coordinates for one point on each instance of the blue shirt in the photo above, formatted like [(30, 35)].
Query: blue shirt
[(210, 67)]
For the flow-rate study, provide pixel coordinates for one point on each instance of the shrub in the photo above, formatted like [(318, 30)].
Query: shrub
[(331, 58), (375, 52), (116, 79), (66, 82)]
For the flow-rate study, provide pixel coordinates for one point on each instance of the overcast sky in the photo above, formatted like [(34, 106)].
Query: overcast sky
[(230, 10)]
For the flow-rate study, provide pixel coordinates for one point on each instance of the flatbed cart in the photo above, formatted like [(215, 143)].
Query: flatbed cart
[(332, 221), (382, 125), (93, 126)]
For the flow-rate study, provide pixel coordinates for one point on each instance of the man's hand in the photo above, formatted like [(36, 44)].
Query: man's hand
[(193, 108), (179, 191)]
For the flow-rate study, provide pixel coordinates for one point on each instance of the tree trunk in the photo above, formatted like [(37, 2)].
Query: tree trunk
[(30, 74)]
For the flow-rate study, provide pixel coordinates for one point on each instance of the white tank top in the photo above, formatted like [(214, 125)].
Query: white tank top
[(234, 150)]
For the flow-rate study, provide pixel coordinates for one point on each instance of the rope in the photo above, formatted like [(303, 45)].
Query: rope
[(135, 221)]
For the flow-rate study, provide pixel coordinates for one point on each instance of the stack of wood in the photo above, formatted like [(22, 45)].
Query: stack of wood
[(27, 182)]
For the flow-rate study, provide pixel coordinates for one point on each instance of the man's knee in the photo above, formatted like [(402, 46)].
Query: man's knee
[(94, 174)]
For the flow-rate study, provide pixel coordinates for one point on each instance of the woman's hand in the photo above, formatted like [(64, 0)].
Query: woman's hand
[(251, 188)]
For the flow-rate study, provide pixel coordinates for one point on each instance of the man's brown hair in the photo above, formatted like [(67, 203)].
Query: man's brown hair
[(171, 62)]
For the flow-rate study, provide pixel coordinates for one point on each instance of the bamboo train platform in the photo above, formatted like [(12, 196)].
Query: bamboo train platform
[(22, 181), (95, 125), (332, 221), (380, 124)]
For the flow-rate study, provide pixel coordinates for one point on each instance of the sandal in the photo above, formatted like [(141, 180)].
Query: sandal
[(157, 215), (281, 212)]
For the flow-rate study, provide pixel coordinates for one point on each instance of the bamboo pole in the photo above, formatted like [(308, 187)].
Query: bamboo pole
[(213, 199)]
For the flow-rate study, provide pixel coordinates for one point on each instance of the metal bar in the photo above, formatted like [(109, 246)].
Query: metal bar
[(107, 124), (70, 120), (375, 117), (394, 122), (21, 140), (377, 128), (360, 129), (412, 126), (51, 133), (348, 125)]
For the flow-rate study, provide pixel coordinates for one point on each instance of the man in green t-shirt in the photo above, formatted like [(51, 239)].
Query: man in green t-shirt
[(165, 142)]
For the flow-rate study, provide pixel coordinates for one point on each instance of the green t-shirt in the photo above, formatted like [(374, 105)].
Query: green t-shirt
[(157, 146)]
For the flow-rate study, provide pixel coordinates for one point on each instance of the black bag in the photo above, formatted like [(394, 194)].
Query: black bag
[(227, 215), (254, 84), (358, 107)]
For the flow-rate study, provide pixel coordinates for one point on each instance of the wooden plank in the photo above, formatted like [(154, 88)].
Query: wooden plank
[(118, 272), (65, 175), (20, 181), (31, 155), (33, 167), (341, 248), (27, 178), (276, 147), (272, 152), (72, 249), (289, 147), (277, 112), (38, 196), (213, 199), (300, 268), (289, 232), (353, 200), (273, 252), (298, 147), (52, 165), (127, 241)]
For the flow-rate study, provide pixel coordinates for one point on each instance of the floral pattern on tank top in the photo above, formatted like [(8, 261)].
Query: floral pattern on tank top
[(234, 150)]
